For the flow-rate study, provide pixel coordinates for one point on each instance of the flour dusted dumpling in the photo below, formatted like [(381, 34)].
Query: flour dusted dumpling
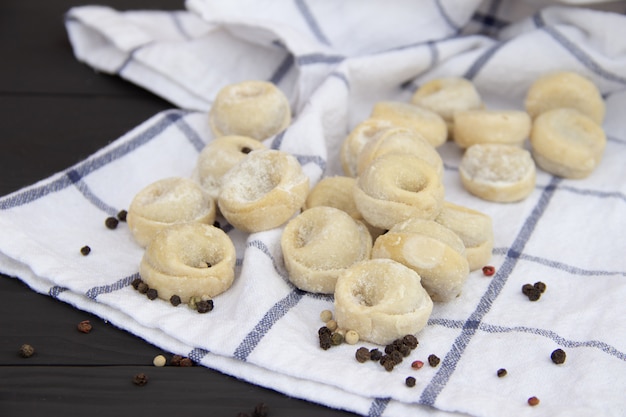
[(189, 260), (509, 127), (400, 141), (382, 300), (426, 123), (475, 230), (435, 252), (338, 192), (356, 140), (565, 89), (319, 243), (166, 202), (447, 95), (500, 173), (396, 187), (567, 143), (257, 109), (263, 191), (218, 157)]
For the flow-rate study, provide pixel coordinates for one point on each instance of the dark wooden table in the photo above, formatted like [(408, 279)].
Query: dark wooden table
[(54, 112)]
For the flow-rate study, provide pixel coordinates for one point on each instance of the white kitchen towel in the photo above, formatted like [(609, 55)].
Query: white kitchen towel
[(567, 233)]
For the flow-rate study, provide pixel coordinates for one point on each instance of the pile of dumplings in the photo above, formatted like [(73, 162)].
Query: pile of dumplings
[(381, 238)]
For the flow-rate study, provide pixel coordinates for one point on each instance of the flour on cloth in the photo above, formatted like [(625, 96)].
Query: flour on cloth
[(335, 61)]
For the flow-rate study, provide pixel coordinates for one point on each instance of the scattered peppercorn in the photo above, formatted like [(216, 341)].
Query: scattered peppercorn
[(410, 341), (26, 350), (375, 354), (362, 354), (501, 372), (558, 356), (261, 410), (186, 362), (85, 250), (396, 357), (533, 401), (176, 359), (410, 381), (326, 315), (111, 222), (540, 286), (324, 330), (489, 270), (136, 283), (84, 326), (246, 150), (352, 337), (336, 339), (159, 360), (332, 325), (121, 215), (152, 294), (175, 300), (140, 379), (433, 360), (142, 287), (417, 364), (204, 306), (325, 338), (531, 292), (387, 363)]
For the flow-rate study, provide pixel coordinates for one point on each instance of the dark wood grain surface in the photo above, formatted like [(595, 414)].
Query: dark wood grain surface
[(54, 112)]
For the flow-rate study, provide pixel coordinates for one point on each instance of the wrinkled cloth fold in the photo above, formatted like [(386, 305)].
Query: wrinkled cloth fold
[(334, 61)]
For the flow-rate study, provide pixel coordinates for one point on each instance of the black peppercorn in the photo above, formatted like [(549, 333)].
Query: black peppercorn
[(433, 360), (324, 330), (325, 340), (410, 341), (558, 356), (121, 215), (375, 354), (540, 286), (26, 350), (176, 359), (152, 294), (387, 363), (501, 372), (396, 357), (175, 300), (140, 379), (111, 222), (136, 283), (410, 381), (527, 289), (405, 350), (85, 250), (362, 354), (246, 150), (261, 410), (142, 287), (204, 306), (534, 296), (532, 292)]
